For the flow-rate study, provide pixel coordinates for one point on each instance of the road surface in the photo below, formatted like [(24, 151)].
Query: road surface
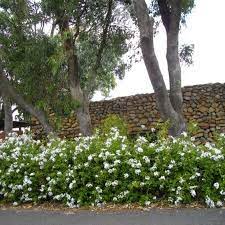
[(151, 217)]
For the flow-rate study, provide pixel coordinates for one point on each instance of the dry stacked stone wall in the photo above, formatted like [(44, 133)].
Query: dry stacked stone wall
[(203, 104)]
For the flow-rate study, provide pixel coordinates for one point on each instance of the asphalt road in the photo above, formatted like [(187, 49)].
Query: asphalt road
[(152, 217)]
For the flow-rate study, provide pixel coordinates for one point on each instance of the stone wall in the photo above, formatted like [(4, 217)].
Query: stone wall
[(203, 104)]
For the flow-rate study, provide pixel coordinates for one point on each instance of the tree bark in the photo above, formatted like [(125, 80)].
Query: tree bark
[(82, 112), (10, 92), (8, 119), (173, 61), (174, 69), (145, 25)]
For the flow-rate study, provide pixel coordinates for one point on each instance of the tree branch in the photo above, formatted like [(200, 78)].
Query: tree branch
[(145, 25), (165, 13), (92, 80), (9, 91)]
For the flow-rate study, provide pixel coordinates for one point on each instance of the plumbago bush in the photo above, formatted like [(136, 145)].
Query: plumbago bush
[(111, 168)]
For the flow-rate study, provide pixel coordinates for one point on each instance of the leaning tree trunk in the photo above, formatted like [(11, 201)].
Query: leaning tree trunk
[(9, 91), (82, 111), (8, 119), (145, 25)]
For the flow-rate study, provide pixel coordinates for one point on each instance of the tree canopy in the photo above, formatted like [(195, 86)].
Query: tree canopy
[(35, 61)]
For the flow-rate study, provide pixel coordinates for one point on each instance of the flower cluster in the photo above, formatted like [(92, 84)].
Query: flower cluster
[(112, 168)]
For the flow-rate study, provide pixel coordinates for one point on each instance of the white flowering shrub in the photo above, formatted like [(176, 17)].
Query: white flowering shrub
[(111, 168)]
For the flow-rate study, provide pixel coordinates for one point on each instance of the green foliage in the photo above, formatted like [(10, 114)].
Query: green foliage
[(29, 57), (97, 170), (186, 8), (162, 129), (35, 61), (192, 128), (186, 54), (114, 121)]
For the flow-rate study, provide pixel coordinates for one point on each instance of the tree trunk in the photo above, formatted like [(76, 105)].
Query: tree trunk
[(82, 112), (9, 91), (83, 117), (174, 69), (145, 25), (8, 119), (172, 26)]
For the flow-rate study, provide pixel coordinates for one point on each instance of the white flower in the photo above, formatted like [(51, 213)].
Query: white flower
[(216, 185), (126, 175), (205, 154), (90, 157), (143, 126), (140, 150), (26, 180), (108, 183), (179, 188), (181, 153), (146, 159), (19, 187), (181, 180), (152, 129), (147, 178), (153, 168), (208, 145), (115, 183), (170, 166), (177, 200), (115, 199), (98, 189), (217, 151), (42, 188), (137, 171), (70, 185), (15, 203), (116, 162), (147, 203), (156, 173), (209, 202), (192, 138), (193, 193), (167, 172), (89, 185), (162, 178), (106, 165), (219, 203), (184, 134), (118, 151), (111, 170)]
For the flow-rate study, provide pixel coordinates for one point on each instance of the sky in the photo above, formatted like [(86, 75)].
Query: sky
[(205, 30)]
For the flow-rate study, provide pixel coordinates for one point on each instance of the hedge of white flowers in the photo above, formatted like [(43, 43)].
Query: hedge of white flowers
[(111, 168)]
